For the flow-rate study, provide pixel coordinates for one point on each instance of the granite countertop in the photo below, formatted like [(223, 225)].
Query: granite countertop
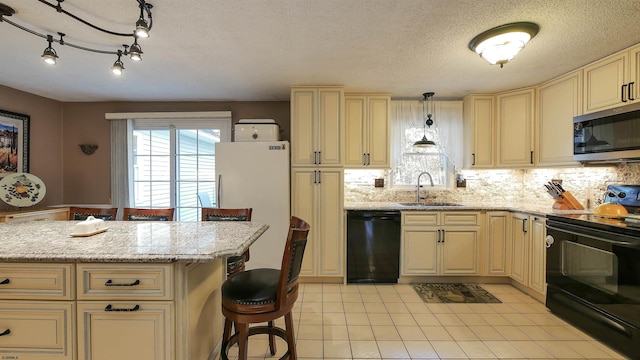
[(526, 208), (127, 241)]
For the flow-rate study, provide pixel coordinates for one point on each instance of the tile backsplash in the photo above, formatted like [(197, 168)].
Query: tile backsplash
[(503, 186)]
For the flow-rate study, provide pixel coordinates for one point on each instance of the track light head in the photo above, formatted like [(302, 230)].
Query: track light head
[(135, 51), (49, 55), (118, 66), (142, 28)]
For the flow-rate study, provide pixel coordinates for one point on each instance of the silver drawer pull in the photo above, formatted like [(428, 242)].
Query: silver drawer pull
[(5, 281), (111, 283), (111, 308), (6, 332)]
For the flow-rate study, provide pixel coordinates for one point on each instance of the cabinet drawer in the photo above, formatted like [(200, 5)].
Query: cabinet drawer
[(37, 330), (141, 330), (36, 281), (460, 218), (124, 281), (419, 218), (38, 215)]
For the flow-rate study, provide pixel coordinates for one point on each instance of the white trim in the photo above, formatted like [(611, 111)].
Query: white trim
[(169, 115)]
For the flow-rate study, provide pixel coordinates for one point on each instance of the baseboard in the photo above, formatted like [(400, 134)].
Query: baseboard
[(308, 279), (454, 279)]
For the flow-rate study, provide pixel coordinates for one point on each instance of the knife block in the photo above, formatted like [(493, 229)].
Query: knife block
[(568, 202)]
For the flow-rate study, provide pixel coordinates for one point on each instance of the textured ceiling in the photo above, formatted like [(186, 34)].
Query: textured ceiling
[(219, 50)]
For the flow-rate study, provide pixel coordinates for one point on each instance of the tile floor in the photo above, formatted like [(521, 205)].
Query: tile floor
[(392, 322)]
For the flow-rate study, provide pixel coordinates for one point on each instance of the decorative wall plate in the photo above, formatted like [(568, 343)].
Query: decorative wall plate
[(22, 189)]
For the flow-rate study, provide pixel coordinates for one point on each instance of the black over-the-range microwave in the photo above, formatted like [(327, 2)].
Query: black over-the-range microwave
[(608, 136)]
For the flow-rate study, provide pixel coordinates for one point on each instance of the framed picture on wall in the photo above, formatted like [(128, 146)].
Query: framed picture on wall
[(14, 143)]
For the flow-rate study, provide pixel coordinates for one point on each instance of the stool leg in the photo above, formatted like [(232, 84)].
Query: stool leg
[(291, 341), (243, 340), (227, 330), (272, 340)]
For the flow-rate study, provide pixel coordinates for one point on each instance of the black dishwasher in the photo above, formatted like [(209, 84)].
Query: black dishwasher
[(373, 246)]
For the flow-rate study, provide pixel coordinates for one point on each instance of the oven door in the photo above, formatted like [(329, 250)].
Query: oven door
[(593, 281)]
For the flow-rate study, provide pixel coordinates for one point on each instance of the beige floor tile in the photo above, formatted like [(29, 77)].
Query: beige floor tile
[(337, 349), (449, 349), (354, 307), (332, 318), (511, 332), (536, 333), (351, 297), (504, 350), (412, 332), (485, 332), (334, 307), (368, 289), (410, 298), (436, 333), (360, 332), (385, 332), (561, 332), (588, 349), (606, 349), (544, 319), (558, 349), (486, 308), (518, 319), (461, 308), (417, 307), (531, 350), (404, 288), (495, 319), (403, 319), (386, 288), (507, 298), (420, 350), (375, 307), (461, 333), (309, 307), (357, 319), (393, 350), (524, 308), (310, 332), (449, 319), (380, 319), (390, 298), (312, 288), (335, 332), (349, 289), (476, 350), (365, 350), (371, 297), (438, 308), (397, 308), (331, 297), (332, 288), (310, 318), (309, 348), (472, 319), (426, 319)]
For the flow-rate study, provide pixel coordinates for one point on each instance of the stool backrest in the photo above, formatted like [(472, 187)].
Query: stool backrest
[(82, 213), (218, 214), (138, 214), (292, 258)]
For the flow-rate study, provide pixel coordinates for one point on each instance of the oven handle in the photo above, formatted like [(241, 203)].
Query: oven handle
[(615, 242)]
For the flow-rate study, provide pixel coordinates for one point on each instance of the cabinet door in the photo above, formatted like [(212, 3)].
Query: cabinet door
[(459, 251), (124, 334), (634, 74), (519, 248), (537, 274), (355, 130), (603, 83), (497, 245), (515, 128), (330, 126), (558, 102), (328, 222), (303, 120), (379, 130), (420, 251), (478, 115), (38, 330), (303, 183)]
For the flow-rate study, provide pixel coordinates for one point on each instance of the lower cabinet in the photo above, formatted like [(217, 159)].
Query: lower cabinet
[(35, 215), (440, 243), (528, 251), (497, 244)]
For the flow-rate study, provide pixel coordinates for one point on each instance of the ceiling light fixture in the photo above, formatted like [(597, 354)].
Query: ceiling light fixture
[(428, 109), (142, 28), (501, 44)]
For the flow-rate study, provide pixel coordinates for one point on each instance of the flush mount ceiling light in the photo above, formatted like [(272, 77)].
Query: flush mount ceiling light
[(428, 107), (501, 44), (142, 27)]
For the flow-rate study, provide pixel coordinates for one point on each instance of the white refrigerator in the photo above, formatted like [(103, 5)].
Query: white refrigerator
[(256, 175)]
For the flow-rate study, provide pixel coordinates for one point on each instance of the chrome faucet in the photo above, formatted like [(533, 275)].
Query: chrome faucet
[(418, 198)]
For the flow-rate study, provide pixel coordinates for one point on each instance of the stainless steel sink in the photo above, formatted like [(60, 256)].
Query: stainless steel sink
[(425, 204)]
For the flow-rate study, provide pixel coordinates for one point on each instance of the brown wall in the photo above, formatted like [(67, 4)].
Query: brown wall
[(87, 178), (45, 137)]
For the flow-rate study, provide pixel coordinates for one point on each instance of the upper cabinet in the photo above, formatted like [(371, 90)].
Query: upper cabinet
[(613, 81), (515, 128), (317, 126), (558, 101), (367, 129), (479, 114)]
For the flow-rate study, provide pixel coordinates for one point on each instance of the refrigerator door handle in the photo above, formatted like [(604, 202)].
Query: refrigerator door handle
[(218, 190)]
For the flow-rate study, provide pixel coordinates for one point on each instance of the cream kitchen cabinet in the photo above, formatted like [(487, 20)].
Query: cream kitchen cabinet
[(520, 248), (479, 113), (538, 257), (367, 131), (613, 81), (35, 215), (317, 195), (440, 243), (528, 253), (317, 126), (496, 243), (558, 101), (515, 128)]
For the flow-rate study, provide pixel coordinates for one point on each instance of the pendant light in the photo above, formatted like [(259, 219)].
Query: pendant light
[(428, 108)]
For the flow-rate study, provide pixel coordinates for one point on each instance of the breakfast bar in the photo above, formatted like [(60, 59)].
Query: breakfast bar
[(139, 290)]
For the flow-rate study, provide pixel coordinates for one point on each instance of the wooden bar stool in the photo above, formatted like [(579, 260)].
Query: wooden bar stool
[(235, 264), (82, 213), (264, 295), (138, 214)]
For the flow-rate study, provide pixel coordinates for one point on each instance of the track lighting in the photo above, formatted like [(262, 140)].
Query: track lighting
[(118, 66), (49, 56)]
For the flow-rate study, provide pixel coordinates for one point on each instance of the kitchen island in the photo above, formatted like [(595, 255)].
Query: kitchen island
[(140, 290)]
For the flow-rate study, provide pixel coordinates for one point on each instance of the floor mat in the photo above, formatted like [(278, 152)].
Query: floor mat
[(454, 293)]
